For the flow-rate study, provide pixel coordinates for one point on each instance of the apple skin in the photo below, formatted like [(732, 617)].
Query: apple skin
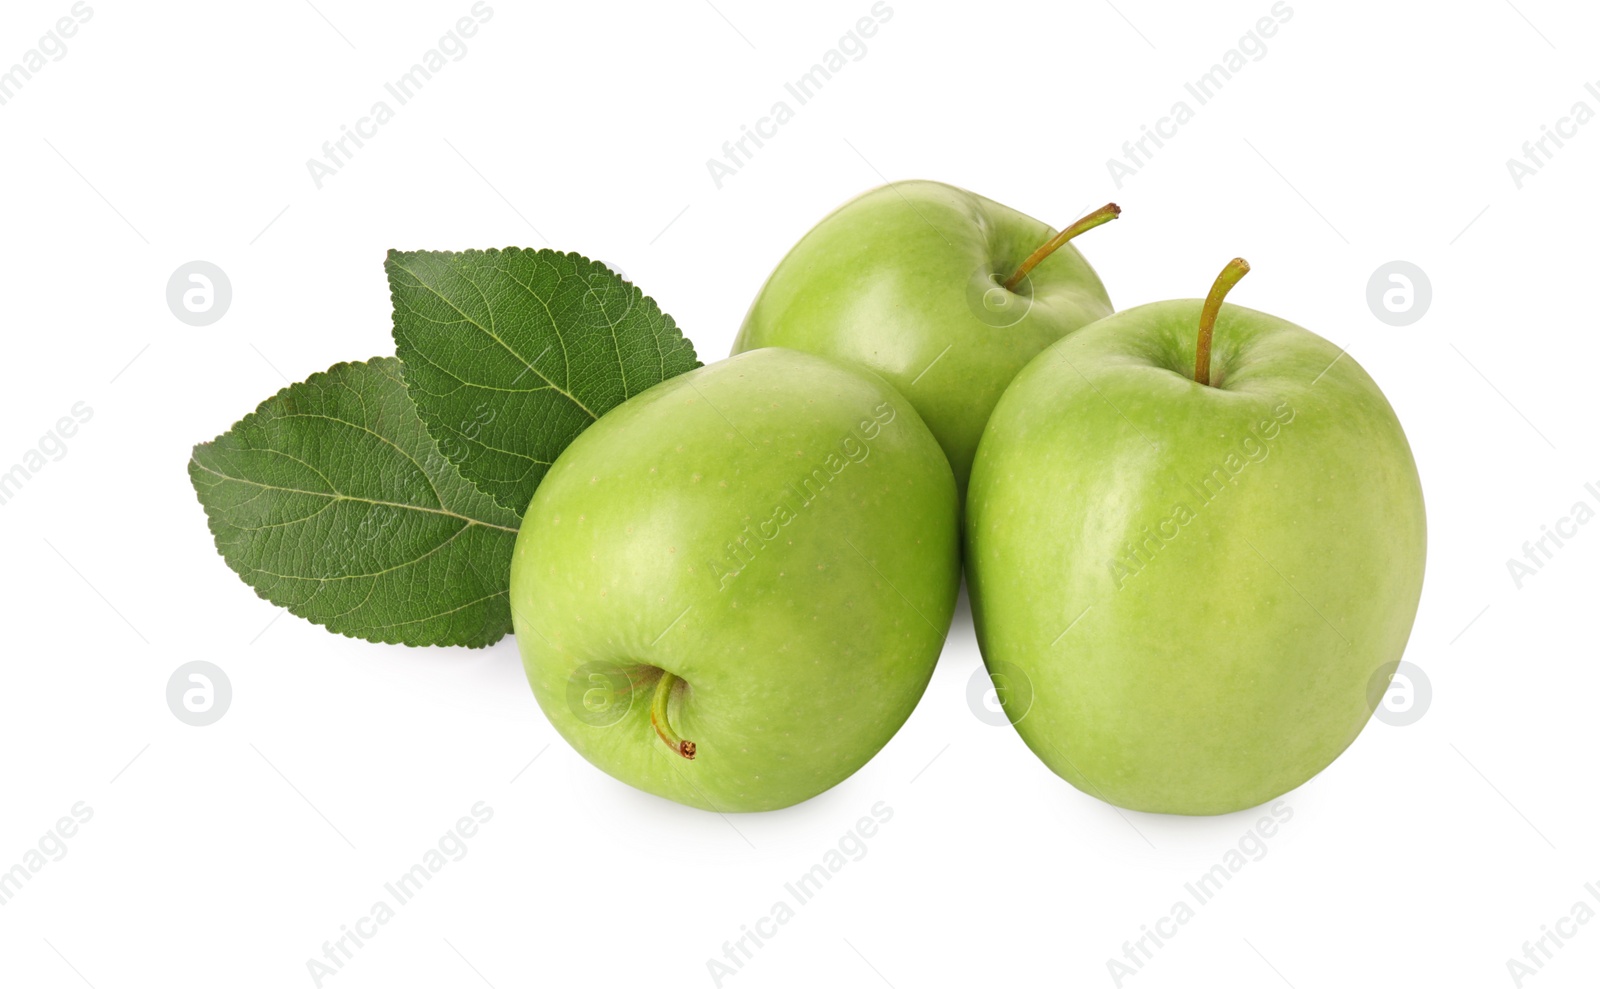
[(1232, 661), (802, 654), (910, 274)]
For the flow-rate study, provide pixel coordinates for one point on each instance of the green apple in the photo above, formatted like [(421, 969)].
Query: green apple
[(1190, 560), (944, 293), (731, 590)]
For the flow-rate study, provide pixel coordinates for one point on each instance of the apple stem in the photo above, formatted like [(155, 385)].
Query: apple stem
[(658, 717), (1227, 279), (1105, 214)]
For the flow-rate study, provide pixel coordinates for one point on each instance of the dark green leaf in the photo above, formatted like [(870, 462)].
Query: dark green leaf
[(332, 501), (511, 354)]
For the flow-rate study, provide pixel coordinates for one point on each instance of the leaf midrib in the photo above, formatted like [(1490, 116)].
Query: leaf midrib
[(496, 338), (337, 496)]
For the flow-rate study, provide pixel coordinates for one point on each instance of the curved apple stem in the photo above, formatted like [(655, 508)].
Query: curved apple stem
[(1105, 214), (1227, 279), (658, 717)]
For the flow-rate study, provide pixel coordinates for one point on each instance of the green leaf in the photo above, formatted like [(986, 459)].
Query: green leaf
[(509, 355), (332, 501)]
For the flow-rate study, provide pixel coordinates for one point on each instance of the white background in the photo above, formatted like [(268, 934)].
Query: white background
[(227, 855)]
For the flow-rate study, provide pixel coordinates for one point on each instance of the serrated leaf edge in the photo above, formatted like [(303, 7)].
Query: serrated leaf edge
[(670, 327), (213, 524)]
